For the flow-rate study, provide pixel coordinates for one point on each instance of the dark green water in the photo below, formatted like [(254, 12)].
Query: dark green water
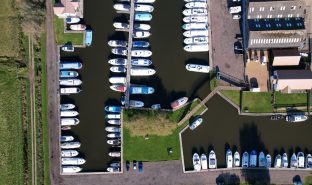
[(170, 82)]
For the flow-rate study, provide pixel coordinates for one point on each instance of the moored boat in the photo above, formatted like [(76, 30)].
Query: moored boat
[(253, 159), (66, 128), (301, 160), (122, 7), (68, 48), (196, 48), (212, 160), (196, 18), (69, 113), (135, 103), (70, 82), (72, 20), (245, 160), (144, 27), (203, 161), (68, 74), (119, 87), (117, 80), (113, 142), (192, 26), (70, 145), (229, 159), (236, 159), (111, 169), (143, 8), (140, 44), (309, 161), (70, 65), (69, 153), (187, 1), (196, 162), (142, 16), (118, 61), (73, 161), (195, 11), (141, 34), (276, 117), (278, 161), (268, 161), (195, 4), (112, 116), (112, 129), (120, 25), (141, 62), (71, 169), (117, 43), (69, 121), (135, 89), (66, 138), (293, 161), (196, 40), (293, 118), (114, 164), (262, 160), (179, 102), (67, 106), (112, 108), (156, 106), (142, 71), (195, 33), (120, 51), (114, 154), (88, 39), (196, 123), (284, 161), (113, 135), (78, 27), (197, 68), (141, 53), (70, 90), (144, 1), (118, 69), (114, 122)]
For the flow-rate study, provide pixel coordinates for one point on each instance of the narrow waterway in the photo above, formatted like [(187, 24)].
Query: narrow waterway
[(170, 82), (223, 128)]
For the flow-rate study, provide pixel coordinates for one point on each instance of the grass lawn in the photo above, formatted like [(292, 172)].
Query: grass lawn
[(62, 38), (9, 32), (232, 95), (308, 180), (257, 102), (296, 98), (11, 135)]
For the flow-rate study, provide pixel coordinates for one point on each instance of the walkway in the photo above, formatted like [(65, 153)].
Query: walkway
[(130, 38), (202, 103)]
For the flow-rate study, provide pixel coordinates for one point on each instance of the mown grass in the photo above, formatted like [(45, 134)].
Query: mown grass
[(295, 98), (62, 38), (9, 32), (308, 180), (11, 135), (234, 96), (257, 102)]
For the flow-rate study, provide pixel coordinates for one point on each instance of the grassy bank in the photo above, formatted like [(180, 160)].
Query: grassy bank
[(257, 102), (296, 98), (62, 38), (234, 96)]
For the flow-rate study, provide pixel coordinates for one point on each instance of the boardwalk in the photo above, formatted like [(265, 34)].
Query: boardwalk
[(202, 103), (131, 21)]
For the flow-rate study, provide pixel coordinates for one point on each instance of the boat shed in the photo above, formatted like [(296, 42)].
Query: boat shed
[(286, 57), (290, 81)]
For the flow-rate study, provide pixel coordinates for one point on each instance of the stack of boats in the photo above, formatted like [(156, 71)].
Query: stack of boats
[(253, 160), (195, 26), (69, 80)]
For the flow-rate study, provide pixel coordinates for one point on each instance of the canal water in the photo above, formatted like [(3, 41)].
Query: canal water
[(223, 128), (170, 82)]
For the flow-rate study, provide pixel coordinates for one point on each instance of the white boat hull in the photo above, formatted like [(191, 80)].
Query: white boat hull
[(117, 80), (143, 8), (69, 153), (196, 40), (196, 48), (141, 71), (195, 11), (119, 25), (73, 161), (141, 53), (70, 82), (195, 33), (195, 19), (197, 68), (69, 121), (71, 169)]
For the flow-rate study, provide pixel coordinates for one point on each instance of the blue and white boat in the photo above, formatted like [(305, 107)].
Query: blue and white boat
[(142, 16), (196, 162), (140, 44), (253, 158), (136, 103), (229, 159), (245, 160), (141, 90), (68, 74), (88, 37), (262, 161), (293, 161), (72, 20), (112, 108), (268, 161), (278, 161), (285, 161), (70, 65), (141, 62)]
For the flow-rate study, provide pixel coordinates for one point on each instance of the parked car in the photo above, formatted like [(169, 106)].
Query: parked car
[(140, 167), (238, 48), (263, 60), (134, 164)]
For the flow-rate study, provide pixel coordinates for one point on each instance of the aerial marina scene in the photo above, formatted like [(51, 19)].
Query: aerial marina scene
[(156, 92)]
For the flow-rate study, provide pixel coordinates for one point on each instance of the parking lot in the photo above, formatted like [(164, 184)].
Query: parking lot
[(224, 30)]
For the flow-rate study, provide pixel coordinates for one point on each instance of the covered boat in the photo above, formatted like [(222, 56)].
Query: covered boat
[(70, 145), (70, 82), (236, 159), (196, 18), (114, 135), (284, 161), (203, 161), (196, 48), (118, 61), (78, 27), (112, 116), (88, 37), (142, 16), (72, 20), (195, 33), (114, 154), (68, 74), (140, 44), (196, 40), (309, 161), (245, 160), (117, 80), (117, 43), (141, 53), (179, 102), (118, 69), (196, 162), (141, 62), (197, 68), (141, 34), (122, 7), (144, 27), (70, 65), (278, 161), (69, 113), (135, 103), (120, 25), (66, 138), (229, 159), (67, 106), (69, 121), (156, 106), (212, 160), (293, 161), (119, 87), (71, 169), (112, 108), (70, 90), (143, 8), (73, 161), (113, 142), (294, 118), (69, 153), (135, 89), (120, 51), (195, 11), (262, 160), (301, 160), (268, 161), (196, 123), (253, 159), (114, 122), (142, 71), (112, 129)]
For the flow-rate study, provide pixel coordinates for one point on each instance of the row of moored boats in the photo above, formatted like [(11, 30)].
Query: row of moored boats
[(69, 80), (252, 160)]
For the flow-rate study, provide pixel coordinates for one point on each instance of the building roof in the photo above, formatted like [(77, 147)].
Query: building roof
[(293, 80), (286, 57), (66, 7), (276, 9), (293, 74), (295, 23)]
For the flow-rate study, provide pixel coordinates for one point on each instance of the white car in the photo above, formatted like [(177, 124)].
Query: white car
[(263, 60), (235, 9)]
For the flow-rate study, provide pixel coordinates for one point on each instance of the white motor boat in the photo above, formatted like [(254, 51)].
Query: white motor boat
[(294, 118), (120, 51), (69, 121), (156, 106), (236, 159), (197, 68), (301, 160), (69, 153), (78, 27), (135, 103), (196, 123), (118, 87), (117, 43), (114, 164), (268, 161), (293, 161), (229, 159), (141, 62), (117, 80), (141, 53), (114, 135), (70, 82), (70, 145), (179, 102), (144, 1), (195, 11), (68, 74), (112, 170), (68, 48), (122, 7), (212, 160), (262, 160), (278, 161), (144, 27), (112, 129), (112, 116), (120, 25), (195, 33), (203, 161), (142, 71), (194, 26), (69, 113), (284, 161), (196, 18), (113, 142), (118, 69), (114, 122), (196, 48), (118, 61), (253, 159), (245, 160), (73, 161), (187, 1), (196, 40), (67, 106), (70, 90), (143, 8), (72, 20), (71, 169), (196, 162), (196, 5), (309, 161), (141, 34), (66, 138), (114, 154)]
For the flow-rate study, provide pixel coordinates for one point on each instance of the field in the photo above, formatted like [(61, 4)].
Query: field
[(11, 136), (9, 32)]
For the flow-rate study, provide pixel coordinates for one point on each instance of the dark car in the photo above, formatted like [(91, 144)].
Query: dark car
[(140, 167), (238, 48), (127, 165)]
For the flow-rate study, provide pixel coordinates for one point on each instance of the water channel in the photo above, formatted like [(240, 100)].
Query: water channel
[(170, 82)]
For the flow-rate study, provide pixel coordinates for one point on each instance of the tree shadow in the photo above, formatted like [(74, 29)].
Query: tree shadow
[(228, 179)]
